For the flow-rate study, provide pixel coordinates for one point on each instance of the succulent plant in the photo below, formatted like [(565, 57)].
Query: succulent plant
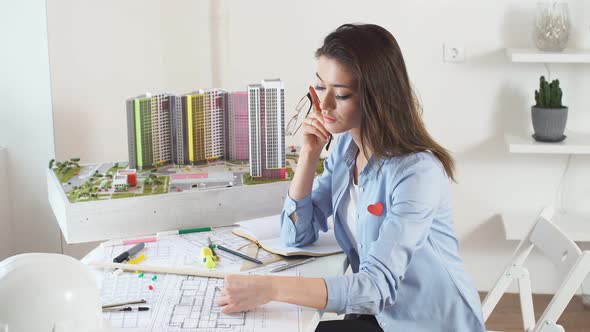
[(549, 94)]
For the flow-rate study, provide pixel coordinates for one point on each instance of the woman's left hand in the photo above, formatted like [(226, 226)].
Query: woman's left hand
[(244, 292)]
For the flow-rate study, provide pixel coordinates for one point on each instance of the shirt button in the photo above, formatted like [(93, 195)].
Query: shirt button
[(361, 245), (361, 189), (382, 324)]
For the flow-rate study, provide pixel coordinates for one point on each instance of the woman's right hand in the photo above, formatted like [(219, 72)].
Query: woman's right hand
[(315, 135)]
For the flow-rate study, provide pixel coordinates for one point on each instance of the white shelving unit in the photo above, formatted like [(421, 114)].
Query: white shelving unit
[(529, 55), (517, 224), (575, 143)]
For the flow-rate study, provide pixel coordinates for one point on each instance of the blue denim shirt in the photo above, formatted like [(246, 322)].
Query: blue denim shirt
[(407, 271)]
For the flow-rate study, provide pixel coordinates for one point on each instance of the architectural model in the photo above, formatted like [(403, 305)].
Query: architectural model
[(207, 139), (206, 126)]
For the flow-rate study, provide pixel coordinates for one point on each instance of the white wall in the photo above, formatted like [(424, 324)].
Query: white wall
[(6, 245), (26, 125), (121, 50), (102, 53)]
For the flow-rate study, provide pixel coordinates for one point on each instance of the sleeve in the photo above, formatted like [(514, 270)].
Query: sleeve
[(415, 197), (312, 211)]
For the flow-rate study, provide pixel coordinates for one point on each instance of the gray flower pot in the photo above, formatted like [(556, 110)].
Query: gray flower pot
[(549, 123)]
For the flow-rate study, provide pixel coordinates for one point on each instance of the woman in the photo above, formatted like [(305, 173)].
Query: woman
[(386, 184)]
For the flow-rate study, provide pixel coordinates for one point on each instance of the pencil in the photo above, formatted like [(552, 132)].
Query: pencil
[(212, 248), (239, 254)]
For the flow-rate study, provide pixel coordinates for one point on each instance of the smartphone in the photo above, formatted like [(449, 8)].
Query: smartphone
[(316, 106)]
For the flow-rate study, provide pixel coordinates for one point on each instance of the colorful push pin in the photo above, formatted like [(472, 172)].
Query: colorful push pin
[(140, 275), (150, 287), (154, 278), (207, 258)]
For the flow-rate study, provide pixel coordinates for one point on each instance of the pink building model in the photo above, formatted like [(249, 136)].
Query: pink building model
[(237, 126)]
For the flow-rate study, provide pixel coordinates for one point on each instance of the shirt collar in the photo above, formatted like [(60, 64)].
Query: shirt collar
[(370, 170)]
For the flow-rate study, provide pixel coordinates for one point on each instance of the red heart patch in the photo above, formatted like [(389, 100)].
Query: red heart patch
[(375, 209)]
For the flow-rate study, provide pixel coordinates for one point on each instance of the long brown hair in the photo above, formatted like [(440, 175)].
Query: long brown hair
[(391, 122)]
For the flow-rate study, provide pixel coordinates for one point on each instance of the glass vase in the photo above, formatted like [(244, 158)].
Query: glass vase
[(552, 26)]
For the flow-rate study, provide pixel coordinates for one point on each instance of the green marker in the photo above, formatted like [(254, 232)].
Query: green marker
[(184, 231)]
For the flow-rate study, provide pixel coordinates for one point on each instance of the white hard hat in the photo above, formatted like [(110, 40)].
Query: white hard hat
[(48, 292)]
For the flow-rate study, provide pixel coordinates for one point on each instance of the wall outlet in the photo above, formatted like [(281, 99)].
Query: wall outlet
[(453, 52)]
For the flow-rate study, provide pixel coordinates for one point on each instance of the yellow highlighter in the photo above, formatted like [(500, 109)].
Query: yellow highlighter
[(136, 260), (207, 258)]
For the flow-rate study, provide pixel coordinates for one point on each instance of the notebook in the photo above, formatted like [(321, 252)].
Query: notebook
[(266, 233)]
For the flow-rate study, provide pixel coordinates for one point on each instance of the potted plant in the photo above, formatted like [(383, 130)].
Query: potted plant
[(548, 114)]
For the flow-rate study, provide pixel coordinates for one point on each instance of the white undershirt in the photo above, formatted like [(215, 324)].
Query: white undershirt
[(350, 206)]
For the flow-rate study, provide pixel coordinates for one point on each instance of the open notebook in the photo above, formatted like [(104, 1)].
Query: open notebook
[(266, 233)]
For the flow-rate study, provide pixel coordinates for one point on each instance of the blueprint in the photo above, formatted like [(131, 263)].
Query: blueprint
[(187, 303)]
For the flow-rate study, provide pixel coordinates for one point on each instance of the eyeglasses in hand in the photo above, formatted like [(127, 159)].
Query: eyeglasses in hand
[(294, 125)]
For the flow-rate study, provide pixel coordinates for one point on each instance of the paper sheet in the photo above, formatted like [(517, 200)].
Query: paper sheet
[(187, 303)]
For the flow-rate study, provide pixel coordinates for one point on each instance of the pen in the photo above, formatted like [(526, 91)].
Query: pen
[(239, 254), (132, 251), (288, 266), (126, 309), (123, 303), (184, 231), (316, 105), (113, 243)]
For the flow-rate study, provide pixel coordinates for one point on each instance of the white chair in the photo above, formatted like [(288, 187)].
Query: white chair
[(564, 253)]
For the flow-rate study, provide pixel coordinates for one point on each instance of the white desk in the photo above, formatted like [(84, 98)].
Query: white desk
[(323, 266)]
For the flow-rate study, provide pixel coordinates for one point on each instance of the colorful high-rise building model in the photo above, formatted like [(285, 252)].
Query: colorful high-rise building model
[(178, 131), (266, 117), (214, 109), (237, 127), (139, 131), (208, 125), (192, 104), (161, 138), (148, 130)]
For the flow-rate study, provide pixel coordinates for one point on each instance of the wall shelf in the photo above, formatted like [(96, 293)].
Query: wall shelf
[(575, 143), (518, 224), (532, 55)]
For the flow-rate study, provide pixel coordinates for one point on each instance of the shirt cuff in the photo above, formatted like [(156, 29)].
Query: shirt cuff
[(336, 286), (302, 208)]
